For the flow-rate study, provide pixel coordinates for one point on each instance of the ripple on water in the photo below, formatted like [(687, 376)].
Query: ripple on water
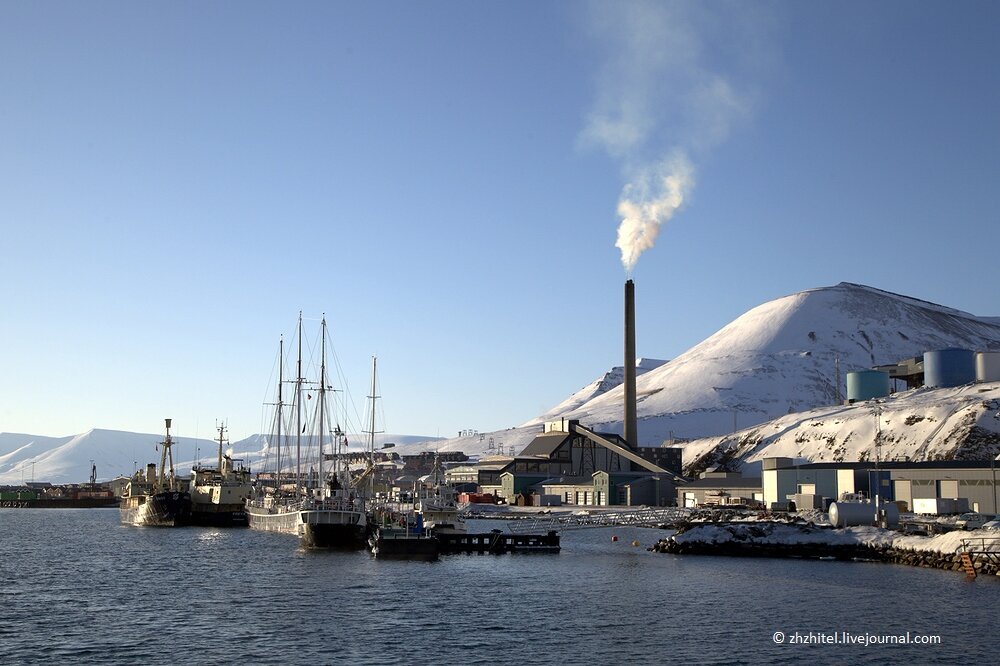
[(82, 588)]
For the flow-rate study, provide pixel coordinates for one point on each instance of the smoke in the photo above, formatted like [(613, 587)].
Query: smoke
[(664, 98), (647, 202)]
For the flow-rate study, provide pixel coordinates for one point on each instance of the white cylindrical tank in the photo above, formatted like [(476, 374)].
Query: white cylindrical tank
[(988, 366), (848, 514)]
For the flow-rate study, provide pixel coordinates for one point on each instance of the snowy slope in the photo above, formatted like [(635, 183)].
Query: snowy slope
[(921, 424), (781, 357), (118, 453), (777, 361)]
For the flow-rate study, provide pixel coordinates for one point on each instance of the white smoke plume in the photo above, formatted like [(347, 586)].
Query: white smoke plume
[(649, 200), (661, 92)]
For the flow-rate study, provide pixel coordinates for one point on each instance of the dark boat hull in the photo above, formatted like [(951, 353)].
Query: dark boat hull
[(392, 545), (166, 509), (236, 517), (334, 536)]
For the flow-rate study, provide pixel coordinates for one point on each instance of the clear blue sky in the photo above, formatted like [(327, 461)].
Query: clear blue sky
[(178, 180)]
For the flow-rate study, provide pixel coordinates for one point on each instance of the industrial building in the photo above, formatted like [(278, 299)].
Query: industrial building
[(570, 464), (893, 481), (718, 488), (938, 368)]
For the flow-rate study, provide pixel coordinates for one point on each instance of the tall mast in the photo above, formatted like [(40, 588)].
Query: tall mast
[(371, 434), (298, 412), (280, 416), (222, 431), (322, 402), (163, 459)]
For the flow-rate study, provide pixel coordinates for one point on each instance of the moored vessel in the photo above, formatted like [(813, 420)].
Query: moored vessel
[(319, 508), (153, 499), (219, 494)]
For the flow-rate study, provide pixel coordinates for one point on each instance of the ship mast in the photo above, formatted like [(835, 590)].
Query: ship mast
[(298, 414), (371, 435), (222, 431), (280, 416), (165, 455), (322, 404)]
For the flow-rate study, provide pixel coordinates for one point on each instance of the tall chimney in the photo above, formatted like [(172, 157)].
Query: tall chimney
[(631, 434)]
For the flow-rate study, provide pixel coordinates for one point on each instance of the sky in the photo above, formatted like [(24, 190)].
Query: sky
[(445, 181)]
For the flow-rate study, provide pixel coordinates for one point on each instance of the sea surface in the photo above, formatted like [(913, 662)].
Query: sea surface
[(78, 587)]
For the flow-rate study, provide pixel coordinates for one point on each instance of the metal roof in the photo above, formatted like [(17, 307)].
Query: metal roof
[(545, 445), (870, 465), (732, 482)]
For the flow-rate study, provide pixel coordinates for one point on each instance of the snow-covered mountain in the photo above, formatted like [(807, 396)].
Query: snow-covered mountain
[(117, 453), (769, 383), (783, 357)]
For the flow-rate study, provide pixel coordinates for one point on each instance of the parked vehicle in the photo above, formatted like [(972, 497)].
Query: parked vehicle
[(973, 521)]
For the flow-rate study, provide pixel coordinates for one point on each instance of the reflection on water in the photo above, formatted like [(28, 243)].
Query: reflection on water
[(79, 587)]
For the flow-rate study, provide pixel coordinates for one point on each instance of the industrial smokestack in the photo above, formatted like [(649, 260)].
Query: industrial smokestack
[(631, 436)]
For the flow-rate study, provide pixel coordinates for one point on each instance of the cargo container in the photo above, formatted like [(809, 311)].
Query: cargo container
[(940, 506)]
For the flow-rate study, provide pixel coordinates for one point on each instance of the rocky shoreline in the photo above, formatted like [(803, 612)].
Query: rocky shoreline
[(809, 541)]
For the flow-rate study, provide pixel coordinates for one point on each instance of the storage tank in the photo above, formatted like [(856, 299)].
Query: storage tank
[(847, 514), (867, 384), (988, 366), (949, 367)]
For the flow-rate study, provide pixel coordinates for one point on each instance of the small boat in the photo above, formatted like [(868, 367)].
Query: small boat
[(438, 506), (399, 543), (219, 494), (152, 500)]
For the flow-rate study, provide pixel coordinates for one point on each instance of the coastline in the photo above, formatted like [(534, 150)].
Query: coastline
[(810, 541)]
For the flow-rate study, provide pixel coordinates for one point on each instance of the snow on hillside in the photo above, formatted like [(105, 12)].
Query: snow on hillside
[(781, 357), (68, 459), (118, 453), (611, 379), (921, 424), (778, 361)]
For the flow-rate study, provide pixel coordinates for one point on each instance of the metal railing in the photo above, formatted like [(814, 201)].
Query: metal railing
[(974, 545), (577, 521)]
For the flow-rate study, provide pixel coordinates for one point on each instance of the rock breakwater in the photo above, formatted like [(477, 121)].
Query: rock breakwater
[(810, 541)]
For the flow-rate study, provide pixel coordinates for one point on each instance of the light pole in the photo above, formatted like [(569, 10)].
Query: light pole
[(876, 409), (993, 472)]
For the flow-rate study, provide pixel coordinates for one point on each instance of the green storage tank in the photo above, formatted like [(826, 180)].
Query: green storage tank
[(866, 385)]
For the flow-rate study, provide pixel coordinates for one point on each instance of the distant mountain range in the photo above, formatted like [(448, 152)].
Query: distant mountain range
[(768, 383)]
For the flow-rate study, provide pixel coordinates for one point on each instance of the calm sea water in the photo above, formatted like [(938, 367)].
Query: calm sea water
[(77, 587)]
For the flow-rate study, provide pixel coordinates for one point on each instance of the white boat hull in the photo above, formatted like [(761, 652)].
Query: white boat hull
[(316, 525)]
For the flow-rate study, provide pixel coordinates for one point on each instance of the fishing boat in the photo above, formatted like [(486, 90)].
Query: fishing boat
[(151, 499), (438, 506), (219, 494), (321, 509)]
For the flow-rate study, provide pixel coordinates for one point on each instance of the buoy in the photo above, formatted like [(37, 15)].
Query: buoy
[(614, 538), (635, 543)]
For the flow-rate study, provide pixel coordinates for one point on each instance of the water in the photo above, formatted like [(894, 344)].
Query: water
[(77, 587)]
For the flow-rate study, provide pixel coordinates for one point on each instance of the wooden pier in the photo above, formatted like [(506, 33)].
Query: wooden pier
[(497, 543)]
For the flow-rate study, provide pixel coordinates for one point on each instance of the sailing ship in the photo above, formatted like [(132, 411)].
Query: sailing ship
[(152, 500), (321, 509), (219, 494)]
